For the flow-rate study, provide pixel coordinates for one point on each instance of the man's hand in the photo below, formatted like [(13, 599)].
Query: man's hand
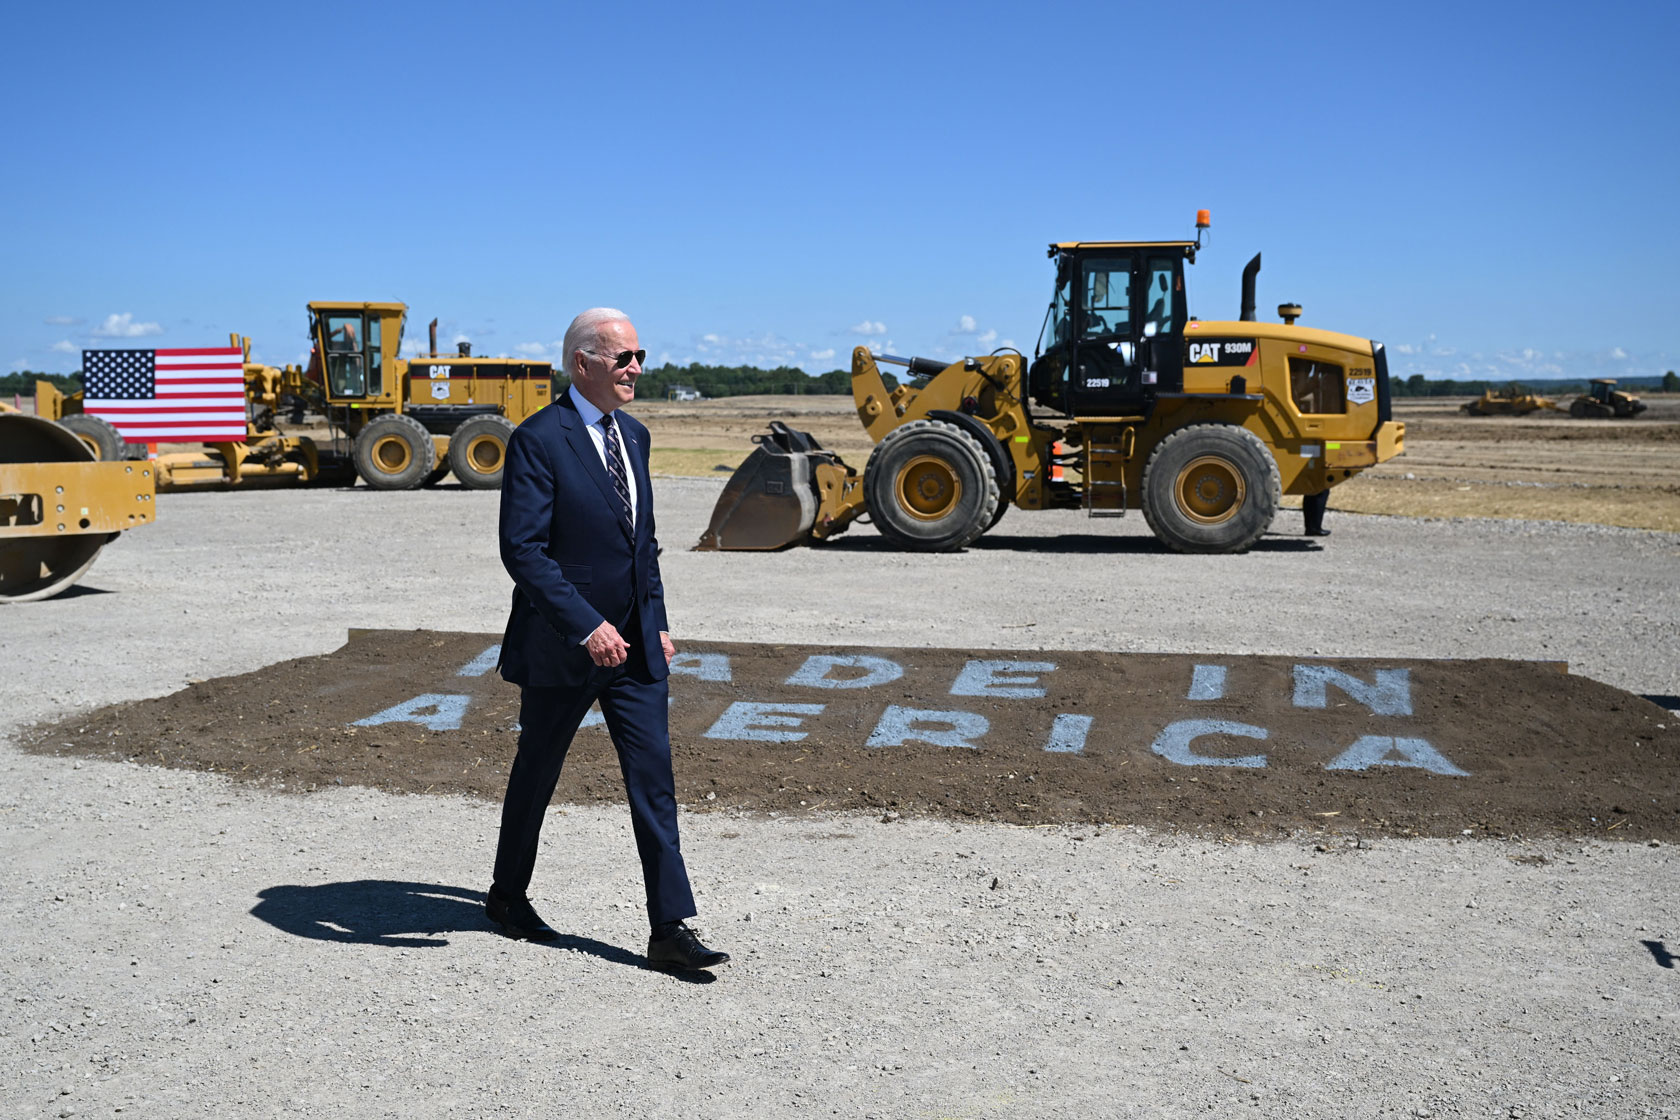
[(669, 646), (605, 646)]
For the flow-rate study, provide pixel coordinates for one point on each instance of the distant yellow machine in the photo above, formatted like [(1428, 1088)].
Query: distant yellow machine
[(396, 423), (1514, 401), (59, 506), (1129, 404), (1603, 401)]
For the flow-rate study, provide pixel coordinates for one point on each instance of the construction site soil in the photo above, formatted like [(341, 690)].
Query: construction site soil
[(1246, 746), (1543, 466), (185, 943)]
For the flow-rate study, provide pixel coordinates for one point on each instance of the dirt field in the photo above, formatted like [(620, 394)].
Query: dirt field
[(181, 942), (1544, 466), (1497, 747)]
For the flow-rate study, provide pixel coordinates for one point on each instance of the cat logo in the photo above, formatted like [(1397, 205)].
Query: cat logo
[(1224, 352)]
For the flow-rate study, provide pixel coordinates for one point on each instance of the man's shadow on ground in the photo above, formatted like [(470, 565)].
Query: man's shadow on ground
[(409, 915)]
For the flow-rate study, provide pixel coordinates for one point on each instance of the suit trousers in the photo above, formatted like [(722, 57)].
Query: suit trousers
[(637, 718)]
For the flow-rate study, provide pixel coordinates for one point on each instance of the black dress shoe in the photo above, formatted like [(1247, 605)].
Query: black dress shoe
[(1319, 532), (517, 917), (675, 946)]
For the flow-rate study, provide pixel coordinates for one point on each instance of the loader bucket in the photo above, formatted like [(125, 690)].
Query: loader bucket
[(770, 501)]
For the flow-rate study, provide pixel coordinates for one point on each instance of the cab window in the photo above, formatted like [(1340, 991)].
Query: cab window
[(346, 363), (1317, 387), (1058, 322), (1158, 301), (1107, 297), (375, 356)]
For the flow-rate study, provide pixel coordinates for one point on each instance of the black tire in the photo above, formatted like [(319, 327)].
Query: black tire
[(439, 473), (394, 452), (1578, 410), (478, 451), (1003, 468), (930, 487), (98, 435), (1210, 488)]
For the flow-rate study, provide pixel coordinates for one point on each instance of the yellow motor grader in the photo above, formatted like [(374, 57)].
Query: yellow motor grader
[(410, 422), (396, 423), (1129, 403)]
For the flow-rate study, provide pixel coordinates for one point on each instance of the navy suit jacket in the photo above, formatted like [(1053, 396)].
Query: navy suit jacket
[(573, 560)]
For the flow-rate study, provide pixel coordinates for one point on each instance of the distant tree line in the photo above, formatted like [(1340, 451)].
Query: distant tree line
[(1419, 386), (740, 381), (23, 381)]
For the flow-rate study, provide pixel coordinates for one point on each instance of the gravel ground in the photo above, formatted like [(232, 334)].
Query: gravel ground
[(182, 946)]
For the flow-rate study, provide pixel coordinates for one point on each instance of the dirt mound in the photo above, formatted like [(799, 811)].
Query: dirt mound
[(1236, 745)]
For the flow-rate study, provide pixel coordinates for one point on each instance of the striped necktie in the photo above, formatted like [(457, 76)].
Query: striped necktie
[(615, 467)]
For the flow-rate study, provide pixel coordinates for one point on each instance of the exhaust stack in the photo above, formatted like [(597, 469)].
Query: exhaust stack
[(1250, 271)]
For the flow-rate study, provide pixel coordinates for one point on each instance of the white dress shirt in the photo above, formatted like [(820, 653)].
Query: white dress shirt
[(592, 418)]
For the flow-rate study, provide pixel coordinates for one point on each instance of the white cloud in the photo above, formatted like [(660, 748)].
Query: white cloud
[(1523, 363), (766, 351), (63, 321), (63, 347), (532, 349), (124, 326), (822, 355), (968, 328), (869, 328)]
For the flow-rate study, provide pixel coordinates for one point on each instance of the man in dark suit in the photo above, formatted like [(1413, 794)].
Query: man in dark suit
[(588, 623)]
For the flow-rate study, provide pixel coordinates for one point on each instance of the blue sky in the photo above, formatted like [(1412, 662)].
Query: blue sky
[(1489, 188)]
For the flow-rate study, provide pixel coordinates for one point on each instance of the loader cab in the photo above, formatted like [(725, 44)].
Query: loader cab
[(357, 343), (1113, 336)]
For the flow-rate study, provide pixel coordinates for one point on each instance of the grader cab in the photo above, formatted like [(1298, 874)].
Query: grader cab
[(1130, 403)]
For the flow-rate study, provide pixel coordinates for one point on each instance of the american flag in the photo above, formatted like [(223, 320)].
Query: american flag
[(168, 396)]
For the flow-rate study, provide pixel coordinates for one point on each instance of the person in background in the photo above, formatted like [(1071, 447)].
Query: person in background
[(1312, 510)]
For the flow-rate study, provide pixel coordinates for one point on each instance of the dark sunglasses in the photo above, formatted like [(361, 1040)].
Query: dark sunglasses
[(622, 358)]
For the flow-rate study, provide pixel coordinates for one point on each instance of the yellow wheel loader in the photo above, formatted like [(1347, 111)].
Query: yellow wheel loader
[(59, 505), (1129, 403)]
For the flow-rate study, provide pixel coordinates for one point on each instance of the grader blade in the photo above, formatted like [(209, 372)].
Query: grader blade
[(59, 507), (771, 500)]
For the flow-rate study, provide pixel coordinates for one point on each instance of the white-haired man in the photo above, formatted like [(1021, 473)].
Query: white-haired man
[(588, 624)]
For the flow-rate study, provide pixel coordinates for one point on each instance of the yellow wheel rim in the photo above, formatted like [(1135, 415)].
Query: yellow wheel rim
[(391, 454), (485, 454), (928, 489), (88, 442), (1210, 490)]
